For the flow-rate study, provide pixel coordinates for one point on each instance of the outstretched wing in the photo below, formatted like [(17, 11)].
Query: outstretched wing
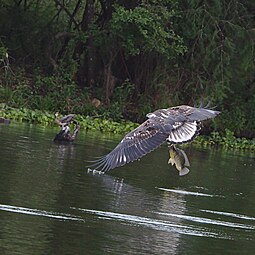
[(186, 121), (139, 142), (197, 114), (67, 119)]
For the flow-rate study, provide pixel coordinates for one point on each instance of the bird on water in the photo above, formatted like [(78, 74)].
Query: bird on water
[(65, 135), (175, 125)]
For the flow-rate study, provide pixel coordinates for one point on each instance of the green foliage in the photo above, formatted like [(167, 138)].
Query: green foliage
[(122, 93), (226, 140), (219, 64), (3, 55), (26, 115), (27, 26), (146, 28), (51, 93), (48, 118), (250, 113), (4, 60), (121, 97), (234, 120)]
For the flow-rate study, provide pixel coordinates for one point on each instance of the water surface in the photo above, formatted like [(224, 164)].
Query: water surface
[(50, 204)]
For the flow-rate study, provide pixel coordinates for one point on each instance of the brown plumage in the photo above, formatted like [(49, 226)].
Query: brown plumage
[(175, 125)]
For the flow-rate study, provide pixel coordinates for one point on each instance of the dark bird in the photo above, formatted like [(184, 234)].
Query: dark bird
[(65, 134), (174, 125)]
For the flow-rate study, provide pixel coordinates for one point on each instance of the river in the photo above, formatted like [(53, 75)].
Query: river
[(51, 204)]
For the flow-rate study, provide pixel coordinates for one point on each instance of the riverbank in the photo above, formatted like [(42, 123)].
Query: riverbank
[(226, 139), (96, 123)]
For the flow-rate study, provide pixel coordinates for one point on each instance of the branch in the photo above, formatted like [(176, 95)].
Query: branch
[(68, 13), (74, 13), (48, 49)]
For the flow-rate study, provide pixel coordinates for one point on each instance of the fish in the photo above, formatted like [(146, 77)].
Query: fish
[(178, 158)]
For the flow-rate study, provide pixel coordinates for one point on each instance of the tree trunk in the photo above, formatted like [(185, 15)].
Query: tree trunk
[(86, 72), (109, 80), (89, 60)]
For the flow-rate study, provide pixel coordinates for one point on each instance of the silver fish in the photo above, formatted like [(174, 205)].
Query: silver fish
[(178, 158)]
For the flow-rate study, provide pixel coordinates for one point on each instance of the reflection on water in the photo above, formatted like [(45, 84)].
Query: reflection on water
[(50, 204), (134, 211)]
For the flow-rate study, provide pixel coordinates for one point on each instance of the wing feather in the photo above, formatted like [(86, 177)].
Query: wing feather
[(136, 144), (192, 113), (129, 154), (184, 113), (185, 132)]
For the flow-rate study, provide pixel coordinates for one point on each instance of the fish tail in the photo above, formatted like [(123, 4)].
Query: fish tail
[(184, 171)]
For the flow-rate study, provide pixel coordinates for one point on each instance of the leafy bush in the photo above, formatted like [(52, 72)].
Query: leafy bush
[(146, 29), (225, 140), (48, 118)]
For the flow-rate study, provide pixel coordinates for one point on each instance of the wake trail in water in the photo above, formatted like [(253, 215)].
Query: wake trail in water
[(155, 223), (208, 221), (235, 215), (36, 212), (191, 193)]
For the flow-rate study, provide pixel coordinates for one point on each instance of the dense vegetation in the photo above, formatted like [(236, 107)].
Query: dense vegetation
[(121, 59), (96, 123)]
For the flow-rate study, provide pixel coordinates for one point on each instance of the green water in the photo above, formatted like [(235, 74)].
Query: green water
[(50, 204)]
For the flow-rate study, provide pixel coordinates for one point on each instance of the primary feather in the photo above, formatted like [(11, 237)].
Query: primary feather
[(176, 124)]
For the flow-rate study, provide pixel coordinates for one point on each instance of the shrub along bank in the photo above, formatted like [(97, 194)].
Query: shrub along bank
[(224, 139)]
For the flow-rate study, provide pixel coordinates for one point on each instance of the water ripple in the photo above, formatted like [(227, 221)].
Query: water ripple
[(155, 224), (209, 221), (35, 212), (235, 215), (191, 193)]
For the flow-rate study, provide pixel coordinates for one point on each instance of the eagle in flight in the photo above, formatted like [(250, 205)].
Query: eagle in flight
[(174, 125)]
